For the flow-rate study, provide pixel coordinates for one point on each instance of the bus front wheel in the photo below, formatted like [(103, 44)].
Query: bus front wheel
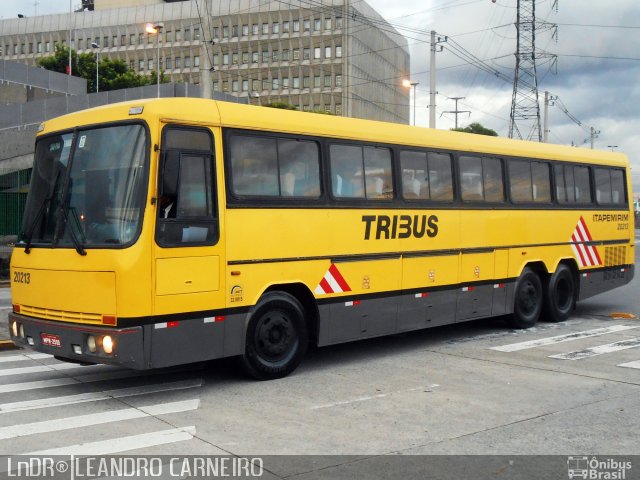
[(276, 338), (527, 301), (560, 295)]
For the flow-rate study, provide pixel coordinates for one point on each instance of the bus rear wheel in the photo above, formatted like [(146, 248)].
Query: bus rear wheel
[(276, 338), (527, 301), (560, 295)]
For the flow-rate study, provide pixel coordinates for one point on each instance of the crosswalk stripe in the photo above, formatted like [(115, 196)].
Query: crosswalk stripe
[(96, 396), (540, 342), (635, 364), (599, 350), (123, 444), (24, 356), (59, 382), (91, 419), (43, 368)]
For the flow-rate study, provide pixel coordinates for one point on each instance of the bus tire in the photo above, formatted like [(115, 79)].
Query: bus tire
[(560, 295), (527, 300), (277, 337)]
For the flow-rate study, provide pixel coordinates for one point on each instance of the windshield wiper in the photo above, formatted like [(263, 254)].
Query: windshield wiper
[(63, 216), (28, 233)]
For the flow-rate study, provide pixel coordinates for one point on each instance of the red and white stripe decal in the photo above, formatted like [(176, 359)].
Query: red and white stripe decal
[(498, 285), (354, 303), (421, 295), (167, 324), (468, 289), (587, 255), (332, 282), (213, 319)]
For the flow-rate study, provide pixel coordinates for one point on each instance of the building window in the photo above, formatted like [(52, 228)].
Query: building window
[(245, 58), (275, 84), (234, 59), (225, 86), (296, 25), (306, 54), (150, 65), (215, 32), (235, 86), (178, 62), (296, 54), (338, 80), (338, 51), (216, 60), (255, 85), (245, 85), (234, 31), (306, 82), (196, 33), (327, 81), (216, 86), (123, 41), (196, 61), (254, 29), (187, 34), (245, 30), (255, 57), (327, 108), (39, 48), (285, 82), (168, 62), (285, 26), (225, 59), (317, 53), (338, 26), (275, 28), (141, 65), (296, 82), (316, 81), (327, 23), (225, 32), (187, 62), (317, 25), (178, 35), (265, 56), (327, 52), (115, 41), (132, 65), (276, 56), (265, 28), (105, 42), (265, 84), (47, 47), (132, 39)]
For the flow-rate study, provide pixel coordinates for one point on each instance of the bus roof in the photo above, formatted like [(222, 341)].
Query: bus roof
[(250, 117)]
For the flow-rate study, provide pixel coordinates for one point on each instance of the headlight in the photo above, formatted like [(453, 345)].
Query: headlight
[(91, 343), (107, 344)]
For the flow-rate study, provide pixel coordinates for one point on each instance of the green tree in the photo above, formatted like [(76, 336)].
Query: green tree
[(114, 74), (478, 129)]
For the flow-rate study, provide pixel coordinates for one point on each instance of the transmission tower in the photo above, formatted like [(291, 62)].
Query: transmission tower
[(524, 122)]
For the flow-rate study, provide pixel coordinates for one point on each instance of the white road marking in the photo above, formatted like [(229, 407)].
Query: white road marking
[(68, 423), (24, 356), (96, 396), (122, 444), (59, 382), (540, 342), (43, 368), (635, 364), (369, 397), (599, 350)]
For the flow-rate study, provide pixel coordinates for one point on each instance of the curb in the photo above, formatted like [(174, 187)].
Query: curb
[(6, 345)]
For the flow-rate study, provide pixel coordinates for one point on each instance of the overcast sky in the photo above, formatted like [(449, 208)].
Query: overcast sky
[(595, 76)]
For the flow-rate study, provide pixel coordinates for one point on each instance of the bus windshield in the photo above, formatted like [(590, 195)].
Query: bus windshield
[(87, 188)]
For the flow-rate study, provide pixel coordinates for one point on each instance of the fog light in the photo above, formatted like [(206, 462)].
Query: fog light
[(30, 341), (107, 344), (77, 350), (91, 343), (22, 331), (14, 329)]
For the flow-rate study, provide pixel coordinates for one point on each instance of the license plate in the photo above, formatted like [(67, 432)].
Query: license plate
[(50, 340)]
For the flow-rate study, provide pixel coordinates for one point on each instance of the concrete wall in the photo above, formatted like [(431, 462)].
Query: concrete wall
[(19, 73)]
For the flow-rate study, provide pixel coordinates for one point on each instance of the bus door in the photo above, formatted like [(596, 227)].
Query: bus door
[(188, 258)]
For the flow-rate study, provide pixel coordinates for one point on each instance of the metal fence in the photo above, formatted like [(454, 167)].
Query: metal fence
[(13, 196)]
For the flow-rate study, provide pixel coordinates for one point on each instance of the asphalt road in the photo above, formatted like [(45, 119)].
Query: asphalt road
[(476, 388)]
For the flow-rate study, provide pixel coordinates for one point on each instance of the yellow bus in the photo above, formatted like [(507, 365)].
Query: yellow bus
[(168, 231)]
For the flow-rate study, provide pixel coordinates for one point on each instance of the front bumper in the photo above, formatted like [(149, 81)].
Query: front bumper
[(128, 348)]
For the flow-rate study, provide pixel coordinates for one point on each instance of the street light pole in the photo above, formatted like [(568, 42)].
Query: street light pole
[(155, 29), (96, 46)]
